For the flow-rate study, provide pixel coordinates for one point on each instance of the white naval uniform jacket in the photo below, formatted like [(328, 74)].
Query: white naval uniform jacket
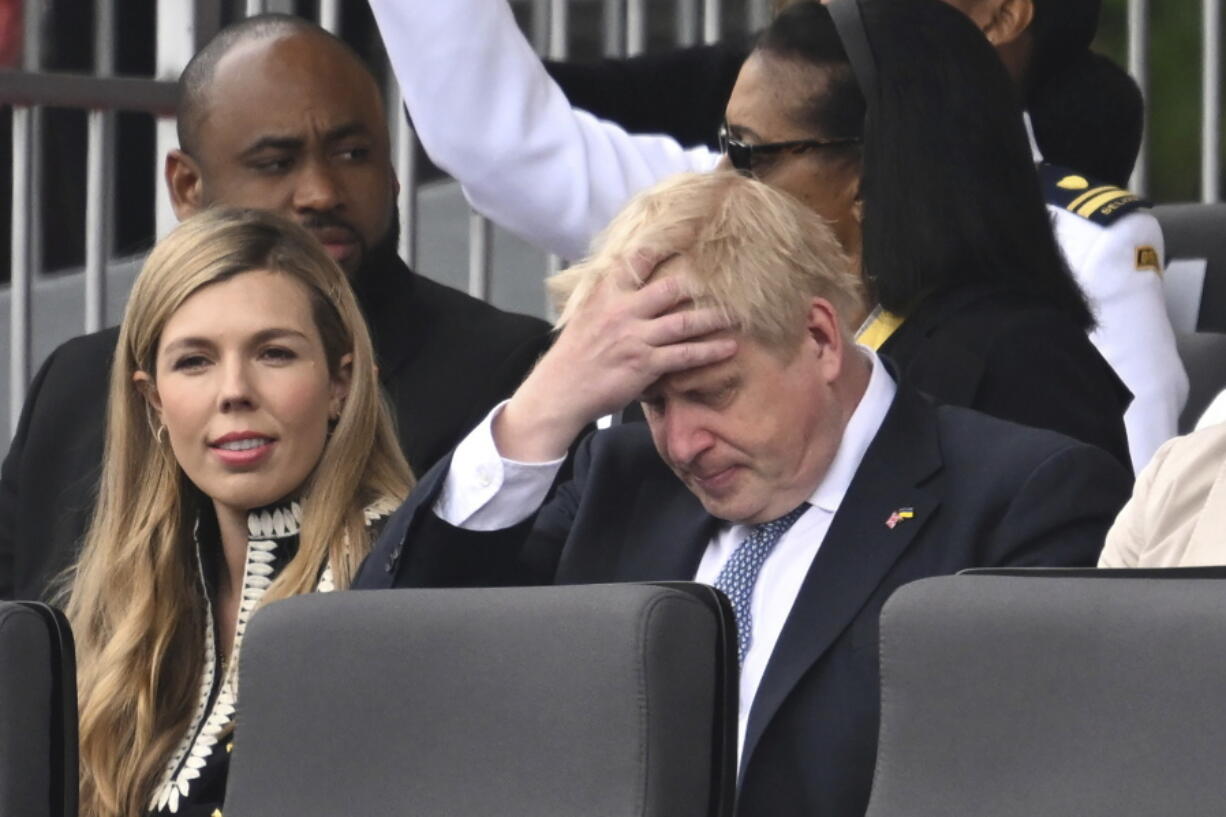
[(488, 114)]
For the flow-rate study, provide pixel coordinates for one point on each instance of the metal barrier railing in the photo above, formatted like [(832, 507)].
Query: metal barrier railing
[(1211, 108), (183, 26), (1138, 66)]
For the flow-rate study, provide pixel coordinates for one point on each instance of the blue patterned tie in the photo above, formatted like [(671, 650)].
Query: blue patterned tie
[(740, 572)]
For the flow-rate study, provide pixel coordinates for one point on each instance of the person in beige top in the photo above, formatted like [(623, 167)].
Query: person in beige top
[(1177, 513)]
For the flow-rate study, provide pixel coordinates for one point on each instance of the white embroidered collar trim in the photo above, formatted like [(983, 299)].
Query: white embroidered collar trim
[(199, 741)]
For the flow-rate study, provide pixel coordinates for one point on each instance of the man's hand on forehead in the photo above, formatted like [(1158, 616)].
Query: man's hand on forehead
[(627, 334)]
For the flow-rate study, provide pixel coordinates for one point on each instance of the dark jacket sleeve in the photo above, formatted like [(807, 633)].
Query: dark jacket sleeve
[(10, 485), (417, 549), (1052, 377), (681, 93)]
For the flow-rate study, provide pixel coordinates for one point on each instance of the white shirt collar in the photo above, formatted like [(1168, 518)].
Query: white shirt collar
[(1034, 143), (861, 429)]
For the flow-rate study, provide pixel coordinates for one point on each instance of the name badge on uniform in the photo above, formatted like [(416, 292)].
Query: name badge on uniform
[(1147, 259)]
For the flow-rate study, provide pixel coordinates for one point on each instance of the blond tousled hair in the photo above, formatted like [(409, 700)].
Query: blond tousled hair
[(134, 598), (755, 253)]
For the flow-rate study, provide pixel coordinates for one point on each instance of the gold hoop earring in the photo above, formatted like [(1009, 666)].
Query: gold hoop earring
[(159, 430)]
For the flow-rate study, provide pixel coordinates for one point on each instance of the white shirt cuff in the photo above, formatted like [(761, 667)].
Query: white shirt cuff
[(483, 491)]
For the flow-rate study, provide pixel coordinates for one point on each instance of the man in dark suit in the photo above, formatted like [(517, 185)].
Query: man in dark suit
[(275, 114), (779, 462)]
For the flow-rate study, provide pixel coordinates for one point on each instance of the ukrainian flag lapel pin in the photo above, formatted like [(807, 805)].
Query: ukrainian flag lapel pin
[(898, 516)]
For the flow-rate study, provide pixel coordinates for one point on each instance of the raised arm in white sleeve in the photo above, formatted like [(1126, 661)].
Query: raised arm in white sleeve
[(1134, 333), (488, 114), (483, 491)]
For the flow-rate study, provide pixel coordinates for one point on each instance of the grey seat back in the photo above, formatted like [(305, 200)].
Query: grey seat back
[(38, 712), (1062, 696), (1198, 231), (1204, 358), (590, 700)]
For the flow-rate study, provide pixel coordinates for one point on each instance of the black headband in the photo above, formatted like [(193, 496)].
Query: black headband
[(850, 26)]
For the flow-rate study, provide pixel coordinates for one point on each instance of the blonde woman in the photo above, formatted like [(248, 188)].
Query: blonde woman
[(248, 457)]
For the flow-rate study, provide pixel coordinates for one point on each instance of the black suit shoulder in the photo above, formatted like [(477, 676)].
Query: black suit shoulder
[(445, 358), (458, 315), (1016, 451), (50, 473), (1011, 357)]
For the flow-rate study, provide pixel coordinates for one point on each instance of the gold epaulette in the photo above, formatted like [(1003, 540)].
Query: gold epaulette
[(1093, 200)]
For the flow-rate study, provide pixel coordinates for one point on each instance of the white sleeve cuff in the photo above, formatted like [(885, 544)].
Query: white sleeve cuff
[(483, 491)]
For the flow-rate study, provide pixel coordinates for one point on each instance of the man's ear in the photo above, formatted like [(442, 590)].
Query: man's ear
[(824, 327), (1009, 20), (341, 382), (185, 183), (148, 389)]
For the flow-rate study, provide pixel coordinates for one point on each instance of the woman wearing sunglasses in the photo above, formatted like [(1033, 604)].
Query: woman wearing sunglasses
[(249, 457), (895, 121)]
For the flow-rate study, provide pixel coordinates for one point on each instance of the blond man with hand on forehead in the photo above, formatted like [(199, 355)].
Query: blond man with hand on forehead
[(779, 461)]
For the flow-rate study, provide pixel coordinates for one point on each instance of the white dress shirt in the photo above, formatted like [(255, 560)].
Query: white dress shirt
[(485, 492), (488, 113)]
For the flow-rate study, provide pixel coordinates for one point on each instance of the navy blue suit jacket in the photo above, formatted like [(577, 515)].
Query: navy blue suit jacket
[(983, 491)]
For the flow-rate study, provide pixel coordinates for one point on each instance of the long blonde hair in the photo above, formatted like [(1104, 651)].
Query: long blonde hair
[(134, 597)]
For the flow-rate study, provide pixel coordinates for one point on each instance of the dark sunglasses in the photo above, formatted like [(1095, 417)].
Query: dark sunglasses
[(744, 156)]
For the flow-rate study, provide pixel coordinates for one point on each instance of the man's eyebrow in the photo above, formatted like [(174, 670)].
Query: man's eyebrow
[(272, 143), (724, 383), (345, 131)]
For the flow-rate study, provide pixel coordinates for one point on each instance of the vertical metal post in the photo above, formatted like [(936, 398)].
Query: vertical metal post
[(32, 58), (254, 7), (176, 42), (636, 27), (404, 160), (687, 22), (614, 27), (1211, 106), (32, 34), (25, 251), (557, 47), (480, 255), (330, 15), (407, 201), (712, 21), (22, 241), (540, 24), (1138, 66), (757, 14), (97, 217), (98, 176)]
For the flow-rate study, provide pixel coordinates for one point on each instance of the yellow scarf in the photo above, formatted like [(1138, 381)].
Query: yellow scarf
[(877, 328)]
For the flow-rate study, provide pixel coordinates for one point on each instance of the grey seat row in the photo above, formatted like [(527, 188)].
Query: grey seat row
[(1009, 694)]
